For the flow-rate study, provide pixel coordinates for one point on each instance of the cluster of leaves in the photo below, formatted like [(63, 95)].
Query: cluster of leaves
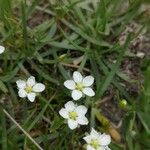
[(73, 35)]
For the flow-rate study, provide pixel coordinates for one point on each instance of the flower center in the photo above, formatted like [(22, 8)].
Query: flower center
[(73, 115), (94, 143), (28, 89), (79, 86)]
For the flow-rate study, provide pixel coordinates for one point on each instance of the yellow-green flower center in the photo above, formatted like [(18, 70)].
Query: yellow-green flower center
[(28, 89), (79, 86), (73, 115), (94, 143)]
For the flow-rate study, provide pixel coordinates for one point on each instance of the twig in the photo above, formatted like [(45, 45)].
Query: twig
[(75, 66)]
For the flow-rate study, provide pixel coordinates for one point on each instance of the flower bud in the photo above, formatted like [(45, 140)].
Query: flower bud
[(123, 104)]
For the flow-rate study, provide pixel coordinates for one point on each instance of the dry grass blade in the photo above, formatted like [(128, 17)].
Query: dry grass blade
[(26, 134)]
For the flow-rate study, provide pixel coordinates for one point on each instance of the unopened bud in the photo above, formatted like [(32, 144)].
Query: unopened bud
[(123, 104)]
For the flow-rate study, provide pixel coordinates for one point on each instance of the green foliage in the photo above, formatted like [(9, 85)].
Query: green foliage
[(44, 39)]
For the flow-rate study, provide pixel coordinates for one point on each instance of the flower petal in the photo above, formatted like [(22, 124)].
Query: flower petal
[(31, 81), (64, 113), (81, 110), (94, 134), (82, 120), (21, 84), (2, 49), (102, 148), (31, 97), (22, 93), (88, 81), (70, 106), (87, 138), (76, 94), (72, 124), (77, 77), (70, 84), (107, 148), (89, 147), (38, 87), (88, 92), (104, 139)]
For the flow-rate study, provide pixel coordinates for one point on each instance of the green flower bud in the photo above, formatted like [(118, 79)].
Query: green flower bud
[(123, 104)]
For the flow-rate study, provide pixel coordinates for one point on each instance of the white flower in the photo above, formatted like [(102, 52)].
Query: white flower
[(97, 141), (29, 88), (2, 49), (80, 85), (75, 115)]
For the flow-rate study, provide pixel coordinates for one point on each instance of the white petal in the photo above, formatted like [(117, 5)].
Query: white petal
[(72, 124), (89, 147), (70, 84), (82, 120), (94, 134), (31, 81), (104, 139), (2, 49), (38, 87), (31, 96), (22, 93), (87, 138), (76, 94), (70, 106), (107, 148), (101, 148), (81, 110), (88, 81), (64, 113), (77, 77), (21, 84), (88, 92)]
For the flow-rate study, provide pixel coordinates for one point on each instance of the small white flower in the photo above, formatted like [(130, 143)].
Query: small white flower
[(2, 49), (97, 141), (29, 88), (80, 85), (74, 114)]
